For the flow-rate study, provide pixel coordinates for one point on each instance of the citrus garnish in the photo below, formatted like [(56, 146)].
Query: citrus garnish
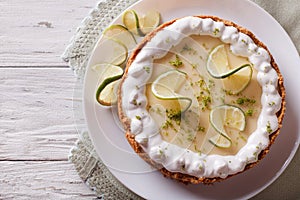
[(131, 21), (121, 34), (109, 74), (220, 141), (217, 63), (234, 80), (227, 116), (111, 51), (238, 81), (108, 96), (167, 85), (149, 21), (141, 25)]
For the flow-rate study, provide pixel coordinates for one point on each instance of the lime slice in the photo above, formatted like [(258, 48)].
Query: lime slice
[(108, 96), (227, 116), (234, 80), (238, 81), (149, 22), (111, 51), (220, 141), (167, 85), (108, 74), (217, 63), (122, 34), (131, 21)]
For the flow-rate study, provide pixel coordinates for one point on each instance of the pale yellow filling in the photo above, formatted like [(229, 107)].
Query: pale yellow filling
[(192, 129)]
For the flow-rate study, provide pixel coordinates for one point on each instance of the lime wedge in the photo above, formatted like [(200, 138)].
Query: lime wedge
[(131, 21), (149, 21), (111, 51), (108, 76), (220, 141), (227, 116), (167, 85), (121, 34)]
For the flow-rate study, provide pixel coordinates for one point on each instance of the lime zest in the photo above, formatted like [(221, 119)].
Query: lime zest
[(177, 62)]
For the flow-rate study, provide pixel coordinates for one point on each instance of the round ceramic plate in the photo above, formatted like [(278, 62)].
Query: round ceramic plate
[(112, 147)]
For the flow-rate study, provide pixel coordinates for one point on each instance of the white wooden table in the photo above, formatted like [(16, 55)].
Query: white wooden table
[(36, 88)]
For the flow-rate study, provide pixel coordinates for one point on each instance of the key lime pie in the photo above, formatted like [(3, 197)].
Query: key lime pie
[(201, 99)]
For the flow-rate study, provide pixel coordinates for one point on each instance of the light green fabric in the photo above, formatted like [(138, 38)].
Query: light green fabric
[(89, 166)]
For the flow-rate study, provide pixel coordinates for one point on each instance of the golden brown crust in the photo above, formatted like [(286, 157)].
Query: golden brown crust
[(177, 175)]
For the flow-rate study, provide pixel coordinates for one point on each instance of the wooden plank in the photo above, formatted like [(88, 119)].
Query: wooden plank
[(36, 113), (35, 33), (41, 180)]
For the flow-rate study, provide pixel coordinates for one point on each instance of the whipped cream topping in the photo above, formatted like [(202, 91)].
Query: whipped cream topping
[(145, 129)]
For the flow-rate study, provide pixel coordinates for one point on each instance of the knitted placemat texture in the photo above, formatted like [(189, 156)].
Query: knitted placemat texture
[(88, 165)]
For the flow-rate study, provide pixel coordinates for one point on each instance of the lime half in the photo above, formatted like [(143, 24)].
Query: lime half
[(167, 85)]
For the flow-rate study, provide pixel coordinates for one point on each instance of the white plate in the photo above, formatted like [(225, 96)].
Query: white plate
[(112, 147)]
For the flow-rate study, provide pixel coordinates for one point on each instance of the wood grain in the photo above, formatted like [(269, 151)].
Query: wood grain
[(41, 180), (37, 127), (35, 33), (37, 131), (36, 113)]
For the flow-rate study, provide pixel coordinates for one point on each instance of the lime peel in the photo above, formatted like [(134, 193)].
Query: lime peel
[(220, 141), (228, 73)]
